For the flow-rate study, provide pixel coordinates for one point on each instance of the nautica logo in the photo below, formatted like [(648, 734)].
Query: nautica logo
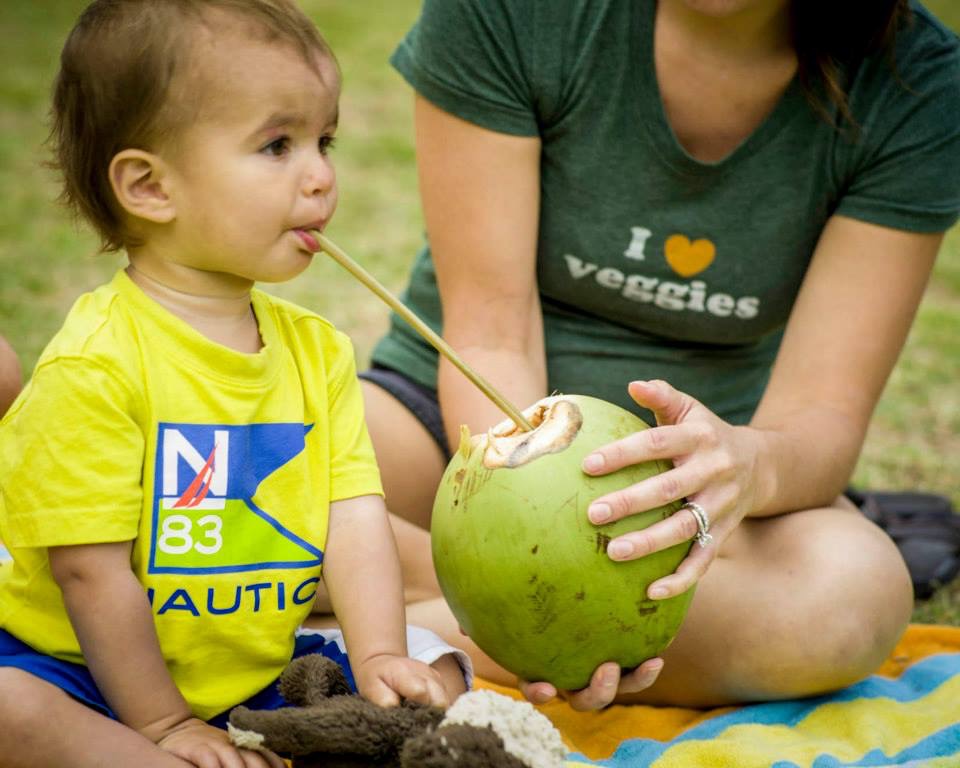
[(176, 446), (205, 519)]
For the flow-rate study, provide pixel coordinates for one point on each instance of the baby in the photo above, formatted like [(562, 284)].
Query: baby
[(190, 452)]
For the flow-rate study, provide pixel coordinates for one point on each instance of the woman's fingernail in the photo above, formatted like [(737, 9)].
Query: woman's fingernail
[(593, 462), (620, 549), (600, 513), (655, 593)]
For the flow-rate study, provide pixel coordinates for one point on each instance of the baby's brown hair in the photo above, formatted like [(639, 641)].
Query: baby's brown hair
[(121, 86)]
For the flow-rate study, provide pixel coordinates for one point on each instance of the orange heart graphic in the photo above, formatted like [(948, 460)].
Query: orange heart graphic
[(686, 258)]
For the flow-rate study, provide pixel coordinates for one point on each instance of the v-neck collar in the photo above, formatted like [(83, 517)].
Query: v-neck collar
[(670, 150)]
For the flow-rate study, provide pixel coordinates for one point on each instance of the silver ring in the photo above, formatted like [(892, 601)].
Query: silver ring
[(702, 535)]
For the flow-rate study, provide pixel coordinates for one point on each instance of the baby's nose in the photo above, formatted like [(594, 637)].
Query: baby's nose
[(318, 176)]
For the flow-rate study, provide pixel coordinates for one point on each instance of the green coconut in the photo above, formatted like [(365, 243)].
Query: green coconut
[(524, 570)]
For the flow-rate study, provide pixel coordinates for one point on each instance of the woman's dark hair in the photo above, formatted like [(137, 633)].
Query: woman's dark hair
[(832, 35)]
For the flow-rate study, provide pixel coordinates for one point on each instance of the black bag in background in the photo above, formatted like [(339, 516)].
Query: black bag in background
[(925, 529)]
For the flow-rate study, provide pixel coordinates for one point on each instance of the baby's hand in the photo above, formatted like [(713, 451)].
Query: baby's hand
[(386, 678), (205, 746)]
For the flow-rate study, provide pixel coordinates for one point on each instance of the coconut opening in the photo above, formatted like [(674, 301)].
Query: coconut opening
[(556, 422)]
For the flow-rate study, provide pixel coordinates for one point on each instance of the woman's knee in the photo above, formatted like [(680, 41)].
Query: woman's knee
[(881, 599), (857, 604), (797, 605)]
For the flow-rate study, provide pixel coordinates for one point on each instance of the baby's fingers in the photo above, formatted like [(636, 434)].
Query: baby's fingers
[(212, 755), (261, 759), (381, 694), (423, 689)]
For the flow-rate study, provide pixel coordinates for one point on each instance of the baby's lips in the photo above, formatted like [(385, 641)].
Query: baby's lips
[(308, 239)]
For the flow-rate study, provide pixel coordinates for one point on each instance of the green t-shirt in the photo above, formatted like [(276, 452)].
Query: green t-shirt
[(650, 263)]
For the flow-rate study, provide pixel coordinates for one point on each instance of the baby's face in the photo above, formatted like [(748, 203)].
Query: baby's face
[(252, 177)]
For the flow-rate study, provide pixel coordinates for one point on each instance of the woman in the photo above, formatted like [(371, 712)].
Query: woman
[(722, 214)]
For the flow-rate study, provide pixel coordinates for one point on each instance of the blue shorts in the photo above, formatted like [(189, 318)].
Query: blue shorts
[(75, 679)]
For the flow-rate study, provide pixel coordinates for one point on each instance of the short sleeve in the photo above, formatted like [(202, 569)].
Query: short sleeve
[(908, 171), (71, 459), (353, 465), (473, 59)]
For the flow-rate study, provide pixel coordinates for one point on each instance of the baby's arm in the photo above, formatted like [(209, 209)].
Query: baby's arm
[(361, 571), (111, 616)]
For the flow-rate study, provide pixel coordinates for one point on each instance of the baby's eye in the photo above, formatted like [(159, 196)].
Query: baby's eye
[(279, 146), (326, 144)]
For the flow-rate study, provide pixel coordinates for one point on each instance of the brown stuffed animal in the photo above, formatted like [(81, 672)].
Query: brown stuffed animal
[(329, 727)]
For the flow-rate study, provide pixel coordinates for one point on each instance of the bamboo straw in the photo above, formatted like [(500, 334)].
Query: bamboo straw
[(423, 329)]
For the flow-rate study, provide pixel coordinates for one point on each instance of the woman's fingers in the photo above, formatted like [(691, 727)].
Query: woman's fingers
[(537, 693), (605, 684), (674, 484), (669, 405), (664, 442), (601, 691), (642, 677), (608, 682), (679, 527), (688, 573)]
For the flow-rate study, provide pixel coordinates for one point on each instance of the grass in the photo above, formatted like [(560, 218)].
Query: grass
[(46, 261)]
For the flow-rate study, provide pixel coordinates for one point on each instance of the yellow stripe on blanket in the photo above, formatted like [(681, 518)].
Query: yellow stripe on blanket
[(845, 731)]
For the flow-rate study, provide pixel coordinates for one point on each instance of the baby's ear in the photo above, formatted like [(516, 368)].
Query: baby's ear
[(140, 183)]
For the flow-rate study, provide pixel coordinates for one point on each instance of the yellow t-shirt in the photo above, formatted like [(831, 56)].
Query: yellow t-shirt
[(220, 465)]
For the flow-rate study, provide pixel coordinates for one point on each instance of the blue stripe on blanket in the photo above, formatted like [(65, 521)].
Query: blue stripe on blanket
[(918, 681)]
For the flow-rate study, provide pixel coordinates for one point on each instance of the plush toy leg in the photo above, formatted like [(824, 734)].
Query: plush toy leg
[(342, 725), (457, 746), (312, 679)]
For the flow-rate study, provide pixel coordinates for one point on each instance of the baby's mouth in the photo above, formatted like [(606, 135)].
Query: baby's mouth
[(309, 238)]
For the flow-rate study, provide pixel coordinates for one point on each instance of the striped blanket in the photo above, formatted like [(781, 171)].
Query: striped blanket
[(907, 714)]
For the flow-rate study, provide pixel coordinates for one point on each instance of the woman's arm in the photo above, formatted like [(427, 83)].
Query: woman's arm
[(844, 335), (361, 571), (481, 201), (481, 197), (846, 331)]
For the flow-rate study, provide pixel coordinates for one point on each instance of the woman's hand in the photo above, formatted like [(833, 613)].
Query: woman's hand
[(714, 465), (606, 683)]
